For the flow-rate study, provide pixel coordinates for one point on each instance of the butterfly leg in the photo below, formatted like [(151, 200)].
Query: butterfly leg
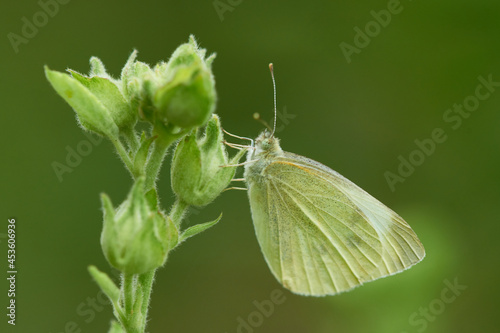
[(235, 188), (237, 146), (236, 165), (238, 179), (238, 137)]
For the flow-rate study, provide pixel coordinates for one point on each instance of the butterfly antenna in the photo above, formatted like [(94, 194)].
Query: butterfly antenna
[(271, 68), (257, 117)]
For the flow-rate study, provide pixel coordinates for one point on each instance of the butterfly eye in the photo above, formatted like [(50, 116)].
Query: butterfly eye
[(265, 144)]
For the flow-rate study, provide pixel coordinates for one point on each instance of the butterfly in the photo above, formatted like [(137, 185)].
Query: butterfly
[(319, 232)]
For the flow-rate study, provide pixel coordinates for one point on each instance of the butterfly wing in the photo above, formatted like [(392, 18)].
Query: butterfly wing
[(321, 234)]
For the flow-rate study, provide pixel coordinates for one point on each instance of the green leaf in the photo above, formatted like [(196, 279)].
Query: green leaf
[(108, 93), (172, 234), (107, 206), (105, 283), (152, 199), (97, 67), (196, 229), (115, 327), (128, 69), (186, 169), (127, 74), (210, 60), (91, 112)]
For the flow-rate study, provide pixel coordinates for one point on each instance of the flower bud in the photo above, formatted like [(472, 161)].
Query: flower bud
[(97, 97), (107, 92), (92, 114), (186, 98), (136, 238), (197, 175), (134, 73)]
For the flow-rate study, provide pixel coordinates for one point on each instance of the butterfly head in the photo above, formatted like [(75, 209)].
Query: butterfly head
[(267, 145)]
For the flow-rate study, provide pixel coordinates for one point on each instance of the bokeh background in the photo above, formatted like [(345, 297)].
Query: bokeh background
[(356, 117)]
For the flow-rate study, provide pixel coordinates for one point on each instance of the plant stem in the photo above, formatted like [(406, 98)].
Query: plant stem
[(154, 163), (146, 281), (131, 138), (165, 138), (132, 292), (128, 293), (177, 211), (123, 155)]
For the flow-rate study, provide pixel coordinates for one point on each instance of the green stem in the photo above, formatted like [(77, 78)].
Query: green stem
[(177, 211), (128, 293), (154, 163), (123, 155), (119, 314), (131, 320), (131, 137), (146, 281), (139, 290), (161, 144)]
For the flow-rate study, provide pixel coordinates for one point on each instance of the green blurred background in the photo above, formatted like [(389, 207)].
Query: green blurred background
[(355, 117)]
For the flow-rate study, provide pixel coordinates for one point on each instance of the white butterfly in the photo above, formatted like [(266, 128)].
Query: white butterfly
[(320, 233)]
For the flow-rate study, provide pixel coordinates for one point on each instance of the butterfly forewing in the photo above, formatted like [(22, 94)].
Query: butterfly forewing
[(321, 234)]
